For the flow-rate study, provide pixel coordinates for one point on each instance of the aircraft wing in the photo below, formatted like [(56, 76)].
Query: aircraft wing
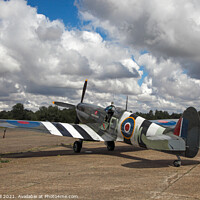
[(78, 131), (167, 123)]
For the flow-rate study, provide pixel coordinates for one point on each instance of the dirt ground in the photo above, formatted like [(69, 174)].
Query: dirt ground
[(42, 166)]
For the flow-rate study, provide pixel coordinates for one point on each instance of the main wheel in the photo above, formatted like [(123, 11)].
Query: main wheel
[(77, 146), (111, 145), (177, 163)]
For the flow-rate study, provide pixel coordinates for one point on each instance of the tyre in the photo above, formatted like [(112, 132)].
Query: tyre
[(111, 145), (177, 163), (77, 146)]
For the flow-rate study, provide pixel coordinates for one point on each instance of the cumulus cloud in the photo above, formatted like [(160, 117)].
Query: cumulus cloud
[(41, 60), (166, 28), (169, 31), (173, 81), (50, 30), (5, 58), (169, 83)]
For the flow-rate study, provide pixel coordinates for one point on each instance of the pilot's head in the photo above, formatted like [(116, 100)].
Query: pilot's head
[(112, 103)]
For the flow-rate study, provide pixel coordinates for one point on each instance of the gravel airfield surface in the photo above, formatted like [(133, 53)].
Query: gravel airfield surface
[(41, 166)]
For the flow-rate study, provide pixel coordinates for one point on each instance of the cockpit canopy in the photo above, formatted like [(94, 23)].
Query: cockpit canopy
[(89, 113)]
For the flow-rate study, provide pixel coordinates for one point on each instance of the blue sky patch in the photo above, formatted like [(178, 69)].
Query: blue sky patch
[(64, 10), (145, 74)]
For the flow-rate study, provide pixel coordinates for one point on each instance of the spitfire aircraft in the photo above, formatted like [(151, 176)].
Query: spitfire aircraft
[(94, 123)]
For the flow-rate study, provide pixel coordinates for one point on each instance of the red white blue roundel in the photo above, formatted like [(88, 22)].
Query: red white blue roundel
[(127, 127)]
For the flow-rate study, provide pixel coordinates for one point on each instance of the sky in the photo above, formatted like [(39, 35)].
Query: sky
[(145, 49)]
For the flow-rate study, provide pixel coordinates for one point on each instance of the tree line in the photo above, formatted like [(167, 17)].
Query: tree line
[(159, 114), (53, 113)]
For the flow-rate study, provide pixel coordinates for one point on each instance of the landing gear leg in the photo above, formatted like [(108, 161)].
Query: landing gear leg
[(177, 163), (77, 146), (110, 145)]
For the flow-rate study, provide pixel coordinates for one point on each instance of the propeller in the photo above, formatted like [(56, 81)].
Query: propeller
[(71, 106), (84, 89), (126, 102), (82, 97), (66, 105)]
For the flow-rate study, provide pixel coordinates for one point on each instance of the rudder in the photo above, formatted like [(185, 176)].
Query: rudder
[(188, 127)]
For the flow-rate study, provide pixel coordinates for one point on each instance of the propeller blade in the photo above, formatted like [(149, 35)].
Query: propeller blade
[(84, 89), (126, 102), (66, 105)]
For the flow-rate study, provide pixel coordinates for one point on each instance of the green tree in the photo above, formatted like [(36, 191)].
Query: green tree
[(53, 114), (30, 115), (18, 111), (175, 116), (41, 114), (68, 115), (5, 115)]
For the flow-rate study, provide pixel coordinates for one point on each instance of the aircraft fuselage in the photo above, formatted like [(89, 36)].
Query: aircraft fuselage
[(129, 128)]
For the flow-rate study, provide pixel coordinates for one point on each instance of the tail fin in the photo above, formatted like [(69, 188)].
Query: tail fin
[(188, 127)]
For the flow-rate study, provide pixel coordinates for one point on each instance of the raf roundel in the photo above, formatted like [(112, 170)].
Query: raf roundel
[(127, 127)]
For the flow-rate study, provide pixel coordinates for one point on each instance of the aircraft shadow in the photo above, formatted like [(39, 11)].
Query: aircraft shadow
[(98, 150), (119, 151), (159, 163)]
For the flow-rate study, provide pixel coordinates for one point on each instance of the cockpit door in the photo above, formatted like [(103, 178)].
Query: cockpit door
[(113, 124)]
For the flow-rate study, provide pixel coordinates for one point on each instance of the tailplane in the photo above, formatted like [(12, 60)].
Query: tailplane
[(188, 128)]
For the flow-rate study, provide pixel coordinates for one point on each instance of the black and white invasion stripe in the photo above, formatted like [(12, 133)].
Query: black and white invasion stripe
[(79, 131)]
